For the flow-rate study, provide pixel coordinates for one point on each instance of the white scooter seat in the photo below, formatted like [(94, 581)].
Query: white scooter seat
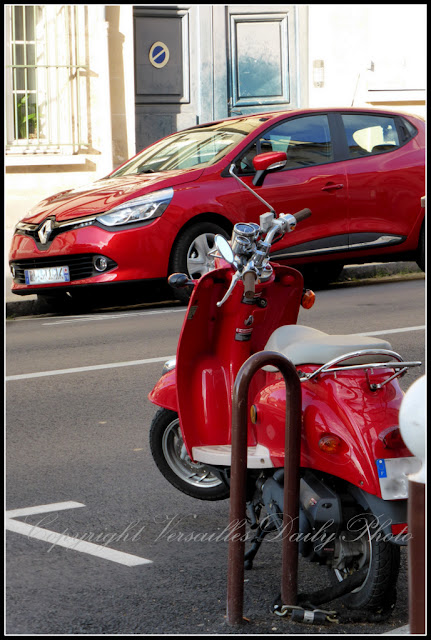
[(305, 345)]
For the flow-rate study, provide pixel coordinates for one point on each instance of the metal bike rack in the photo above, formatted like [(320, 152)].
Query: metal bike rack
[(237, 512)]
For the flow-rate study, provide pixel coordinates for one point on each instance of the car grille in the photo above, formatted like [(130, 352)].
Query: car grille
[(32, 230), (32, 233), (80, 266)]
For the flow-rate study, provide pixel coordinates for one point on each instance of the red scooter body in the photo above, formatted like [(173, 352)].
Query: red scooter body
[(354, 465), (213, 345)]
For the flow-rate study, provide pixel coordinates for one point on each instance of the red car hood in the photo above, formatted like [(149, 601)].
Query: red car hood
[(106, 194)]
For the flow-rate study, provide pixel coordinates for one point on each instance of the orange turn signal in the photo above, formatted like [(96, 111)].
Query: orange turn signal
[(330, 443), (308, 299)]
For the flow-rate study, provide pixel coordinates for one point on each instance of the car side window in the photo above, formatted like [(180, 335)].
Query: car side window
[(306, 141), (369, 134)]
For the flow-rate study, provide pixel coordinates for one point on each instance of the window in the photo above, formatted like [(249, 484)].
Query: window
[(369, 134), (306, 142), (45, 85), (407, 129), (201, 146)]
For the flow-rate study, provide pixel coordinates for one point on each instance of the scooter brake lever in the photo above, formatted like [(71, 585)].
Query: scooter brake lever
[(234, 280)]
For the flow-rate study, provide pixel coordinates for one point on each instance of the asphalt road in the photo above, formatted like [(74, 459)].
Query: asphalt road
[(82, 437)]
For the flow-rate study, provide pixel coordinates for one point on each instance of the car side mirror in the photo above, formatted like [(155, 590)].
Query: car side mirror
[(265, 162)]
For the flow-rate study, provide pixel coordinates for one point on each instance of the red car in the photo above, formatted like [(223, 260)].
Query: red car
[(360, 171)]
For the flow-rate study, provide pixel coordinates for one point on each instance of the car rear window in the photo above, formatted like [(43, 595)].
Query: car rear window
[(369, 134)]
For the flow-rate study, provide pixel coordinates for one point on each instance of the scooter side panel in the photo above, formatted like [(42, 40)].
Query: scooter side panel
[(345, 407), (216, 341)]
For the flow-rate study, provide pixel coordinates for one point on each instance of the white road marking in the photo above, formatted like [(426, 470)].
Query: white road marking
[(59, 539), (96, 318), (131, 363), (111, 365), (43, 508), (388, 331)]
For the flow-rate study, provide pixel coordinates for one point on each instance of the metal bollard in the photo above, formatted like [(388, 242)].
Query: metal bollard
[(417, 557), (237, 511)]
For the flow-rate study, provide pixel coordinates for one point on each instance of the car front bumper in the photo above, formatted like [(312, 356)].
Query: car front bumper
[(140, 253)]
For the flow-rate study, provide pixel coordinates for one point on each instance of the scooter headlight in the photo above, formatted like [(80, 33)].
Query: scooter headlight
[(169, 365)]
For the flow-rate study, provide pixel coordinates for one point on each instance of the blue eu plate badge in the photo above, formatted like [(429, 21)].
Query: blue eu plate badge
[(381, 468)]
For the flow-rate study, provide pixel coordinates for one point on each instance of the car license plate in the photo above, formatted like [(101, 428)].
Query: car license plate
[(47, 275)]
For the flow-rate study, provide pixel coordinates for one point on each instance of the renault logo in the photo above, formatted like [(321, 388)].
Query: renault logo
[(45, 231)]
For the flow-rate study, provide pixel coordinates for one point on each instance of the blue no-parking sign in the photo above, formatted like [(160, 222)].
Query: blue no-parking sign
[(159, 55)]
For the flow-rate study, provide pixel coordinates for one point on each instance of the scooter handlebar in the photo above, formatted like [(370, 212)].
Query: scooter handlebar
[(249, 280), (302, 215), (248, 272)]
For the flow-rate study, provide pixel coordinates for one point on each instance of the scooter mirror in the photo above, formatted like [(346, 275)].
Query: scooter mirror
[(179, 280), (224, 248)]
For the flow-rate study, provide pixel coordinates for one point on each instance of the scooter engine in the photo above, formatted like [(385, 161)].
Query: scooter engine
[(320, 515)]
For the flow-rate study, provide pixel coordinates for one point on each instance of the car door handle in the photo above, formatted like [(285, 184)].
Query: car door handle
[(332, 187)]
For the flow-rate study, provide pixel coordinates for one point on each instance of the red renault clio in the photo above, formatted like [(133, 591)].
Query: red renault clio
[(360, 171)]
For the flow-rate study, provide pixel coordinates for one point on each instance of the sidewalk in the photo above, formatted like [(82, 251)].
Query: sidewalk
[(350, 276)]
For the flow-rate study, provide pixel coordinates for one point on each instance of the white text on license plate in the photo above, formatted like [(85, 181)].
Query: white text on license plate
[(47, 275)]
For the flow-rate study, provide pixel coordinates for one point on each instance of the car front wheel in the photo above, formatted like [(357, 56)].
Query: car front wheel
[(191, 253)]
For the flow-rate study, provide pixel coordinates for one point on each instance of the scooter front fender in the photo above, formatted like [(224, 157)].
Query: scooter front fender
[(164, 392)]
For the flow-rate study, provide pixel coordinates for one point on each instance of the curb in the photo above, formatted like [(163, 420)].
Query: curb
[(379, 270), (354, 275)]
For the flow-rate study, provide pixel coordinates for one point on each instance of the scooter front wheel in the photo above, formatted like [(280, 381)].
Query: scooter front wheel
[(170, 455)]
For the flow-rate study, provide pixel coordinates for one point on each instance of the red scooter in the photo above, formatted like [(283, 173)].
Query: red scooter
[(354, 464)]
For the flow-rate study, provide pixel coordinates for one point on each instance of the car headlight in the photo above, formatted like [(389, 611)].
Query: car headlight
[(139, 209), (24, 226)]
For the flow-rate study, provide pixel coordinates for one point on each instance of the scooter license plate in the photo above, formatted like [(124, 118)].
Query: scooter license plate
[(47, 275), (393, 476)]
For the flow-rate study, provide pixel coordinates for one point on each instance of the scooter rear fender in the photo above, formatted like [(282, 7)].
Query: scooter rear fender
[(344, 407)]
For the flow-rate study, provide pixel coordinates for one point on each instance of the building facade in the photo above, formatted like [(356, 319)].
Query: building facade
[(87, 86)]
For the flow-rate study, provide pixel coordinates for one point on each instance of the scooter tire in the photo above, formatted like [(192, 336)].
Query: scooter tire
[(169, 453), (378, 591)]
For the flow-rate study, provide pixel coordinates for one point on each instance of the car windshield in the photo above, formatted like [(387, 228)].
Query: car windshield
[(197, 147)]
